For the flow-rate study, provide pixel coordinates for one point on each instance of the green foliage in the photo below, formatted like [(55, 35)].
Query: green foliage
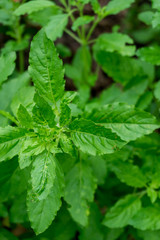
[(80, 164)]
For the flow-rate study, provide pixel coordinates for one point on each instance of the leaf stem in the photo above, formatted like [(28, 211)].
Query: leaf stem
[(73, 36)]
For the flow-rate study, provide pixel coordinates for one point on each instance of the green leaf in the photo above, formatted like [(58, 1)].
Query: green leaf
[(33, 6), (145, 235), (116, 6), (9, 141), (43, 174), (150, 54), (5, 235), (79, 191), (126, 121), (65, 113), (121, 68), (81, 21), (46, 68), (146, 17), (121, 213), (152, 194), (156, 20), (7, 65), (115, 42), (128, 173), (156, 4), (29, 147), (24, 117), (42, 112), (18, 211), (54, 29), (21, 98), (9, 116), (157, 90), (80, 70), (147, 218), (94, 139), (93, 231), (43, 211)]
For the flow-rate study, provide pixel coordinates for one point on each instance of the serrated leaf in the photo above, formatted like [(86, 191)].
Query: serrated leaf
[(7, 65), (33, 6), (121, 213), (121, 68), (80, 21), (43, 211), (150, 54), (42, 112), (9, 141), (116, 42), (46, 68), (55, 27), (79, 191), (29, 147), (128, 173), (116, 6), (43, 174), (94, 139), (147, 218), (24, 117), (65, 113), (126, 121), (152, 194)]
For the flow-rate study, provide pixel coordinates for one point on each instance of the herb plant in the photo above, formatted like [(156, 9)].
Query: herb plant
[(74, 166)]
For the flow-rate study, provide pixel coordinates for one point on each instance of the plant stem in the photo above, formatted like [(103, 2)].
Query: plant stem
[(92, 28), (73, 36)]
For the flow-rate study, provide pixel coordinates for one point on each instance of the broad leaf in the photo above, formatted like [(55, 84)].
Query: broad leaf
[(54, 29), (94, 139), (156, 4), (46, 68), (126, 121), (121, 213), (79, 191), (33, 6), (43, 211)]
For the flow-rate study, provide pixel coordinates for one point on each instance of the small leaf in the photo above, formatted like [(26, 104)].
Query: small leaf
[(116, 6), (33, 6), (24, 117), (9, 142), (115, 42), (157, 90), (121, 213), (7, 65), (150, 54), (80, 21), (54, 29)]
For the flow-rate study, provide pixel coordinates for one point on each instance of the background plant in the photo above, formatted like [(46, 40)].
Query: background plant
[(80, 164)]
